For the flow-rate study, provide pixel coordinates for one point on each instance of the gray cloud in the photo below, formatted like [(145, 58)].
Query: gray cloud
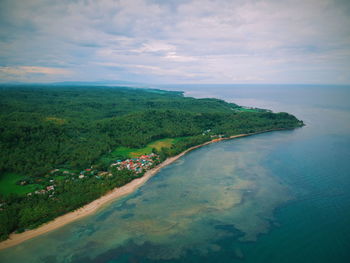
[(201, 41)]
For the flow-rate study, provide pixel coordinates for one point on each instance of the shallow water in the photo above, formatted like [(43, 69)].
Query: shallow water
[(274, 197)]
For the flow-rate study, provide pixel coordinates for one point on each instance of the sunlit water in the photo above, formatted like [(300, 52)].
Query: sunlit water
[(274, 197)]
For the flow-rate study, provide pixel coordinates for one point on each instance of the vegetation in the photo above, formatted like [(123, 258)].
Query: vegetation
[(61, 141), (123, 152), (10, 184)]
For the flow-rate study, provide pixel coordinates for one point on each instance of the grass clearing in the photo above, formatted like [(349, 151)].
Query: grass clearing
[(8, 185), (125, 152), (166, 143), (58, 121), (60, 177)]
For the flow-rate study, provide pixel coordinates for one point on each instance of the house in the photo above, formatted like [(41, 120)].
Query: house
[(136, 164), (40, 192), (50, 188)]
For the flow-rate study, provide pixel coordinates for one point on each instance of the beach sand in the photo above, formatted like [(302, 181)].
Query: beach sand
[(17, 238)]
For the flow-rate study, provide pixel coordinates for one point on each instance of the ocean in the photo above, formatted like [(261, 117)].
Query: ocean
[(277, 197)]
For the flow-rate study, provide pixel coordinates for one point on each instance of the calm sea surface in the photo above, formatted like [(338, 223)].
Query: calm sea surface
[(275, 197)]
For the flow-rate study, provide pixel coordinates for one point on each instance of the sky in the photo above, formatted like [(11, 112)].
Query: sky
[(176, 41)]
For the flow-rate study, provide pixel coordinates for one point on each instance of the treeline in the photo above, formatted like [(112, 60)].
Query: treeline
[(35, 146), (94, 103)]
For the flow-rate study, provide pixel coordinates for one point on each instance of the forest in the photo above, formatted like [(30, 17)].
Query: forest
[(71, 129)]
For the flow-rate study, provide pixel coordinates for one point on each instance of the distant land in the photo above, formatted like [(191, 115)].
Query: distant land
[(64, 146), (80, 83)]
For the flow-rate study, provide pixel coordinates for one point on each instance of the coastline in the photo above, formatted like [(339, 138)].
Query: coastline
[(17, 238)]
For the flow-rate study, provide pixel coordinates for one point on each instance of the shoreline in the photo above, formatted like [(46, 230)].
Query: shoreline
[(90, 208)]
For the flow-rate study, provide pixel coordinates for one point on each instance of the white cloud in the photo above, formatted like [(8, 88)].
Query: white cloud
[(23, 70), (173, 56), (155, 46), (172, 41)]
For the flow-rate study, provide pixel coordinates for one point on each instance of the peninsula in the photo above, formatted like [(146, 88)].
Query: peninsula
[(70, 150)]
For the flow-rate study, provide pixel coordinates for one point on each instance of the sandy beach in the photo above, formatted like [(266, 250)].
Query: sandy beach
[(92, 207)]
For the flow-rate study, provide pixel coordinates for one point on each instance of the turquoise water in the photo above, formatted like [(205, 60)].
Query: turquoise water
[(274, 197)]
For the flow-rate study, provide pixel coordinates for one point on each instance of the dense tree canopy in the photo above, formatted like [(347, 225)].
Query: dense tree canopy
[(44, 128)]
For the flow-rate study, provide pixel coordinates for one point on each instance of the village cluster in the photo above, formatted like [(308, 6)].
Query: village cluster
[(138, 165)]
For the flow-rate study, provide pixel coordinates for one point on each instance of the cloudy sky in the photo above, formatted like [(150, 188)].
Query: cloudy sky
[(176, 41)]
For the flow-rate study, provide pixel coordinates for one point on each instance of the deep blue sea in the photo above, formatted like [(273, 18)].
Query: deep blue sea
[(275, 197)]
